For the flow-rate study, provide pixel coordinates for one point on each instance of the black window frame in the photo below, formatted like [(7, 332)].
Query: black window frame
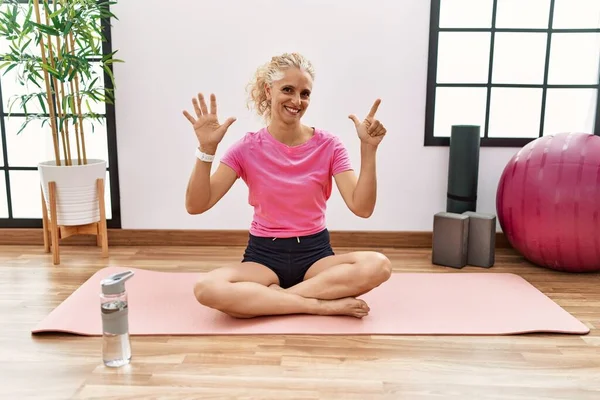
[(114, 222), (432, 85)]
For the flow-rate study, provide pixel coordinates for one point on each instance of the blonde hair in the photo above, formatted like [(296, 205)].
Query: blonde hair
[(269, 73)]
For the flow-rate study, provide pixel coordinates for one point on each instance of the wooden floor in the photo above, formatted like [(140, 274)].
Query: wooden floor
[(535, 366)]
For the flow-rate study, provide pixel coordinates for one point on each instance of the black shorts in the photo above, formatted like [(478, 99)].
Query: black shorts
[(289, 258)]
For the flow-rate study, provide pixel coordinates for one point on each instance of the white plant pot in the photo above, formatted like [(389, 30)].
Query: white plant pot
[(76, 190)]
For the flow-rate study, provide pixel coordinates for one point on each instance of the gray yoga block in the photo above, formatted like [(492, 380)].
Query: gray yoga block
[(482, 239), (450, 239)]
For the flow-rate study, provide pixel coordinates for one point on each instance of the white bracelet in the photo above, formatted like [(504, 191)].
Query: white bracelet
[(203, 156)]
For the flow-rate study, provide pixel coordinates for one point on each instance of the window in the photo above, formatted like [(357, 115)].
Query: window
[(20, 196), (519, 69)]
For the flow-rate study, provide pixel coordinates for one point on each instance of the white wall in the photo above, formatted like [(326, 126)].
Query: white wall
[(361, 50)]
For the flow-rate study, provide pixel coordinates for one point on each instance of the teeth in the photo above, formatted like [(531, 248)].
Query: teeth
[(292, 110)]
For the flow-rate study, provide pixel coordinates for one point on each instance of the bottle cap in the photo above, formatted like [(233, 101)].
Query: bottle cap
[(115, 284)]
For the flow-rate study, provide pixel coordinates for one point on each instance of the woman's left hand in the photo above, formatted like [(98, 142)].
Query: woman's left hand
[(370, 131)]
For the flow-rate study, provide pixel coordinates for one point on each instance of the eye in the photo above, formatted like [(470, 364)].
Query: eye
[(286, 89), (306, 93)]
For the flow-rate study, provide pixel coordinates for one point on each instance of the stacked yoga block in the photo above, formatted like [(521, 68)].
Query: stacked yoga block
[(464, 239), (462, 236)]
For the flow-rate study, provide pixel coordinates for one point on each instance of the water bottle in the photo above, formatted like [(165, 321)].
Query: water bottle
[(116, 347)]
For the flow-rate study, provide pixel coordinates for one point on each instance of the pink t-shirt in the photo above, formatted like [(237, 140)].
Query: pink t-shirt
[(288, 185)]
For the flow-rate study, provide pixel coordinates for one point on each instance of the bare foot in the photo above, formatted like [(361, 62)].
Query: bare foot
[(346, 306)]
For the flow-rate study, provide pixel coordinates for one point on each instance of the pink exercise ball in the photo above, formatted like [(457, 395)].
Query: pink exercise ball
[(548, 202)]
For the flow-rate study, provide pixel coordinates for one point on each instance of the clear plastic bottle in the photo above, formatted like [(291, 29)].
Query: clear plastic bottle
[(116, 346)]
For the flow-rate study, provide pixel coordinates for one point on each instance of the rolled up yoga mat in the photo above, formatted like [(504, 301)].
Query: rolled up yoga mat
[(463, 168)]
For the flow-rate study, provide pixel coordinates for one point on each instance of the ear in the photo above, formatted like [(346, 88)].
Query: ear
[(268, 91)]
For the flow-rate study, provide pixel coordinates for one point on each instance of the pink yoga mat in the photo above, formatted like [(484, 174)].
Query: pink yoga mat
[(162, 303)]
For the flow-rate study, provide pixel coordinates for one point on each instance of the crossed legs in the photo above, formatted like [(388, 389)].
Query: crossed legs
[(329, 288)]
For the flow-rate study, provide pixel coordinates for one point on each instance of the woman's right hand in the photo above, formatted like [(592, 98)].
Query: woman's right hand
[(206, 126)]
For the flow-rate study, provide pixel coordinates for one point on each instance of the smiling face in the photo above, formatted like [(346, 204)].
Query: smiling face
[(290, 95)]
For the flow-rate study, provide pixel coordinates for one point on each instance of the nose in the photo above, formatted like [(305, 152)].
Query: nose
[(297, 100)]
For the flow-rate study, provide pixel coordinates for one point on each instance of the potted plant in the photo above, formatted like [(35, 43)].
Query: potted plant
[(56, 52)]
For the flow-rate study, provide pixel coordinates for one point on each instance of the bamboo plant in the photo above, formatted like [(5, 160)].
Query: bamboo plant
[(52, 46)]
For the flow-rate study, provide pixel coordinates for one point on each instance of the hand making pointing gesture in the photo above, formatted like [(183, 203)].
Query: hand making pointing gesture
[(208, 130), (370, 131)]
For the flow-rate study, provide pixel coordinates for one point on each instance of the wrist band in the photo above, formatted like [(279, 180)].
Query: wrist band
[(203, 156)]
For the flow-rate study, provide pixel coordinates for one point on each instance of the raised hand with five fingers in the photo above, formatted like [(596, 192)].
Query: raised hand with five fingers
[(206, 124), (370, 131)]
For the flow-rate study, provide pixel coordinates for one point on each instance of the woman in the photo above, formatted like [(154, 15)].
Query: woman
[(289, 266)]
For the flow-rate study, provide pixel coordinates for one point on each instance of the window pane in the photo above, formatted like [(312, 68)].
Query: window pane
[(519, 58), (1, 154), (12, 89), (21, 13), (31, 146), (107, 203), (96, 140), (523, 14), (569, 14), (3, 200), (3, 42), (458, 106), (574, 58), (96, 73), (466, 13), (26, 194), (463, 57), (570, 110), (515, 112), (34, 144)]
